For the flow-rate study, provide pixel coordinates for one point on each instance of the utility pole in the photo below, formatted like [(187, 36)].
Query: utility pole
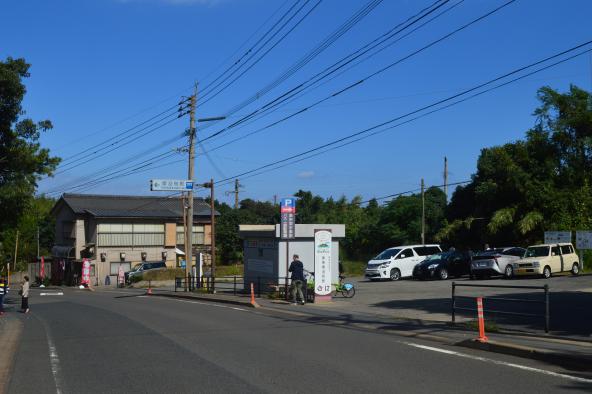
[(446, 177), (422, 212), (213, 221), (15, 255), (236, 191), (210, 185), (37, 242), (189, 217)]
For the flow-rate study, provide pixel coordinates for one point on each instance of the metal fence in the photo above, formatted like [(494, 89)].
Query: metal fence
[(521, 301), (274, 287)]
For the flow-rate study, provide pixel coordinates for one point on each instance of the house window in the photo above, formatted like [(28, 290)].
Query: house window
[(116, 234), (198, 237)]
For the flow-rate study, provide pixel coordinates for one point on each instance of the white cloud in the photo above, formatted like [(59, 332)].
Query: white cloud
[(306, 174)]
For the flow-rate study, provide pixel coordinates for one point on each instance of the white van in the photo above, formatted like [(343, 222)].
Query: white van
[(398, 262)]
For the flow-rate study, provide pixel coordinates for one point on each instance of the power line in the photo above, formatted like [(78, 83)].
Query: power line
[(205, 97), (122, 134), (318, 49), (364, 133), (113, 146), (291, 93)]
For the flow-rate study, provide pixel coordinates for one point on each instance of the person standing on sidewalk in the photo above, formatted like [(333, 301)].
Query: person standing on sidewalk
[(297, 270), (3, 292), (25, 295)]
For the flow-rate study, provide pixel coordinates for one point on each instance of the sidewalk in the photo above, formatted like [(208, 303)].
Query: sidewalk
[(575, 355)]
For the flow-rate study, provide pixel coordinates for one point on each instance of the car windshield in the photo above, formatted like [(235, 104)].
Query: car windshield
[(537, 251), (136, 267), (438, 256), (387, 254)]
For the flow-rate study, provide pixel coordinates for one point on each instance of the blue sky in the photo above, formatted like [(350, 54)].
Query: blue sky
[(100, 67)]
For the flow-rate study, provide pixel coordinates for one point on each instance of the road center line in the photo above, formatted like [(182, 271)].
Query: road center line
[(498, 362)]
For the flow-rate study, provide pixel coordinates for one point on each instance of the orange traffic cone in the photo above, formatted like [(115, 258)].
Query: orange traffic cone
[(253, 302), (480, 316)]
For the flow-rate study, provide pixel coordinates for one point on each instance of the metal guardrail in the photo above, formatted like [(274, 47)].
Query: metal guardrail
[(237, 285), (545, 301)]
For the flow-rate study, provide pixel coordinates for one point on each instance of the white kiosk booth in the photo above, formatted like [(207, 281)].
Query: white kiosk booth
[(267, 256)]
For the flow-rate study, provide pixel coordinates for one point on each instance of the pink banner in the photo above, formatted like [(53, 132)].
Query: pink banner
[(85, 272), (42, 269)]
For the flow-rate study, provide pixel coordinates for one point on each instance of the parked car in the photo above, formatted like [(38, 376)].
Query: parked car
[(140, 268), (547, 259), (398, 262), (496, 262), (444, 265)]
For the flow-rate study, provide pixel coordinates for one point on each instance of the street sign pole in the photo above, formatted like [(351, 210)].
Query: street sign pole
[(287, 229)]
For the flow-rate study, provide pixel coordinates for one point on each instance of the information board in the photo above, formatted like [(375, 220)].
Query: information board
[(322, 262), (556, 237), (584, 239), (288, 218)]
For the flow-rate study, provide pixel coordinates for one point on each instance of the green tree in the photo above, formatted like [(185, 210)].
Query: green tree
[(22, 160), (525, 187)]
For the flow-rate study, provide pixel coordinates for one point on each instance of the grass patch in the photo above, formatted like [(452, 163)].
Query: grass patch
[(230, 270), (168, 274), (354, 268), (474, 325)]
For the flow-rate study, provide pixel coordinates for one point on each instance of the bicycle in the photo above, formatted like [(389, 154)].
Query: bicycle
[(347, 290)]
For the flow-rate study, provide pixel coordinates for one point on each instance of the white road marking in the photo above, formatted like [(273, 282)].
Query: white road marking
[(54, 359), (498, 362), (200, 303), (50, 294)]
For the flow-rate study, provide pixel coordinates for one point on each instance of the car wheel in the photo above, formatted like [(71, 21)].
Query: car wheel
[(443, 274), (575, 269), (509, 272), (547, 272), (395, 274)]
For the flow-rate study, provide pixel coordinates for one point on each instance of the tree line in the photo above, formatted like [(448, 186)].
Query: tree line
[(519, 190)]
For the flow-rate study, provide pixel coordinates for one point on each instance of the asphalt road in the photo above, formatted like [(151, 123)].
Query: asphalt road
[(118, 342)]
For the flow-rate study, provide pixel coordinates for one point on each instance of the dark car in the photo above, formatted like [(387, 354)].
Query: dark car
[(140, 268), (444, 265)]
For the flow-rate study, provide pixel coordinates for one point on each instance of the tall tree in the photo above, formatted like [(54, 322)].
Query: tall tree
[(22, 160)]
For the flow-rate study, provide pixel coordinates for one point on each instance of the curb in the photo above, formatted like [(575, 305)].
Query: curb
[(578, 363), (194, 297)]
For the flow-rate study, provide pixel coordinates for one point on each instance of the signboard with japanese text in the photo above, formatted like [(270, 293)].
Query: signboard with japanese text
[(85, 272), (556, 237), (322, 262), (288, 218), (170, 185), (121, 276), (584, 239)]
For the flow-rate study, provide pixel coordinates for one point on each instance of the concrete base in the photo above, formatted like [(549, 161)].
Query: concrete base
[(323, 298)]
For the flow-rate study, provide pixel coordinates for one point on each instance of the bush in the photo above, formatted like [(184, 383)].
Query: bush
[(353, 268)]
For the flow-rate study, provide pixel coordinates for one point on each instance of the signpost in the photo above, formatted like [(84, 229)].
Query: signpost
[(167, 185), (322, 264), (583, 241), (556, 237), (85, 272), (287, 228), (120, 277), (42, 271)]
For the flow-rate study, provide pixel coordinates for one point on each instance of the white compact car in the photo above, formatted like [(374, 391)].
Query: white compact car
[(398, 262)]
